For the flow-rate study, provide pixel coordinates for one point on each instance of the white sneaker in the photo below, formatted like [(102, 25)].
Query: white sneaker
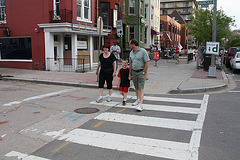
[(136, 102), (99, 100), (139, 107), (109, 99)]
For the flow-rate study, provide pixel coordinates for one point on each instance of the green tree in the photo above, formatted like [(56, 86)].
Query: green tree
[(201, 23), (234, 42)]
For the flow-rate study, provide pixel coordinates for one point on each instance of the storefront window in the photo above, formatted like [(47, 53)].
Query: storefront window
[(16, 48)]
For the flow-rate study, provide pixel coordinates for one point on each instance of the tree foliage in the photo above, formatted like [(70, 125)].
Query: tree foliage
[(201, 24), (234, 42)]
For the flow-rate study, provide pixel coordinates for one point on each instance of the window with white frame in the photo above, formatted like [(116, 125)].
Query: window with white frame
[(83, 9), (79, 8), (132, 6), (145, 36), (141, 33), (141, 8), (145, 13), (152, 14), (2, 10)]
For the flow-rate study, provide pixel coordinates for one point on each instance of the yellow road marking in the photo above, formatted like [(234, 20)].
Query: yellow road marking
[(97, 125), (154, 87), (59, 148), (121, 110), (100, 123)]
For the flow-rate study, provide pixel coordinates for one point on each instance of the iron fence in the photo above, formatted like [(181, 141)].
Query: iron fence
[(60, 16), (68, 64)]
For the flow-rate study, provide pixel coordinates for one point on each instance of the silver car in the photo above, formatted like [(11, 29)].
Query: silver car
[(235, 62)]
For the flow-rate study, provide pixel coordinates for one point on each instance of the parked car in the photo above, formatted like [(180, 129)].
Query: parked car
[(235, 62), (231, 52)]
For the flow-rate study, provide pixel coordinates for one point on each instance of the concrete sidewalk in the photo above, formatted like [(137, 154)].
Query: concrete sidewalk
[(167, 77)]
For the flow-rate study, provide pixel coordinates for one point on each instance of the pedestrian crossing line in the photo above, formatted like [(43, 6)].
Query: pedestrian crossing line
[(100, 123), (165, 108), (153, 107), (147, 121), (105, 103), (197, 130), (177, 100), (126, 143), (163, 99), (23, 156)]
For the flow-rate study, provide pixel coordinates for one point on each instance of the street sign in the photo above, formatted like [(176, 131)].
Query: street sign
[(99, 25), (204, 5), (119, 28), (212, 48), (204, 2)]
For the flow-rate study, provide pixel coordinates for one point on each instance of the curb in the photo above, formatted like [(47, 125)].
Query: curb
[(83, 85), (198, 90)]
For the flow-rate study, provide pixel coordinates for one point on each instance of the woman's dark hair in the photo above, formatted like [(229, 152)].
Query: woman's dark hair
[(134, 41), (106, 46)]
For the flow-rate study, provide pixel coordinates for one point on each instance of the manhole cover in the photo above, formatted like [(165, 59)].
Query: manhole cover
[(86, 110)]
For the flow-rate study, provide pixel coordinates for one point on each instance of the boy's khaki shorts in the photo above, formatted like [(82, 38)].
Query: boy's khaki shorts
[(138, 79)]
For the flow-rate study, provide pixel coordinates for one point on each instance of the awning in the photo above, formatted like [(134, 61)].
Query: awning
[(154, 32)]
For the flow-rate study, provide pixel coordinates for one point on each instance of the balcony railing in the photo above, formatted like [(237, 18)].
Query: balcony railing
[(60, 16), (89, 27)]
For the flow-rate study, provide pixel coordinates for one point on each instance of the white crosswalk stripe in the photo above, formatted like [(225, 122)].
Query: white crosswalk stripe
[(142, 145), (147, 121), (139, 145)]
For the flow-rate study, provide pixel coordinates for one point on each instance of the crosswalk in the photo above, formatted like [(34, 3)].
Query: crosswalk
[(121, 128), (143, 145)]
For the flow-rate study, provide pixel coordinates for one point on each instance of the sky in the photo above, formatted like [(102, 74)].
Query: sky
[(231, 8)]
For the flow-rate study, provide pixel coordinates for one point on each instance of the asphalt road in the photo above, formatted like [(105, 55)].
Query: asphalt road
[(220, 138), (38, 122)]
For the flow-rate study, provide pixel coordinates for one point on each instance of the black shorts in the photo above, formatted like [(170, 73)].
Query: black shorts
[(108, 77)]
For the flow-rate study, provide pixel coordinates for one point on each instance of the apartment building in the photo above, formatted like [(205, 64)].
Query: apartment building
[(183, 7), (49, 34), (133, 22), (152, 27), (171, 31)]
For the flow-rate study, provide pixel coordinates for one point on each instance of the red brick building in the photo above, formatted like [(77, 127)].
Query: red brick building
[(173, 30), (110, 11), (49, 34)]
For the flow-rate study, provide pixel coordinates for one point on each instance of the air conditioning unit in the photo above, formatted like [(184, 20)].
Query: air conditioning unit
[(56, 18)]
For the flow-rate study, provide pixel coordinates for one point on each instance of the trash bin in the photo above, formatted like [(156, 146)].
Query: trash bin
[(206, 61)]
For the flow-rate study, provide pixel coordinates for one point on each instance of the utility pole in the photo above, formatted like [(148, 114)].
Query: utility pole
[(212, 67)]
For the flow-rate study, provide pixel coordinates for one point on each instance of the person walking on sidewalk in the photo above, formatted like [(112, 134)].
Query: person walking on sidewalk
[(124, 82), (116, 50), (139, 63), (107, 72), (177, 55)]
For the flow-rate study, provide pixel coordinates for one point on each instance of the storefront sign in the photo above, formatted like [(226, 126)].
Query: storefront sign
[(81, 44)]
